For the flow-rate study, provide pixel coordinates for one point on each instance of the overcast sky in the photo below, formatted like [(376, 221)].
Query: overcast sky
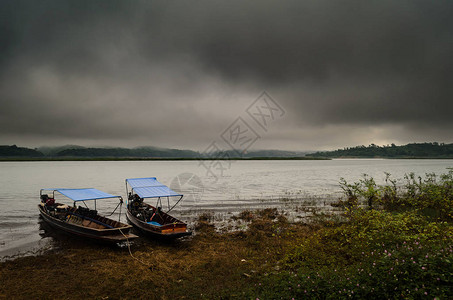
[(180, 73)]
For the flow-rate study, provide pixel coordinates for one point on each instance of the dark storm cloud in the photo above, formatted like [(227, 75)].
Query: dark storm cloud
[(135, 72)]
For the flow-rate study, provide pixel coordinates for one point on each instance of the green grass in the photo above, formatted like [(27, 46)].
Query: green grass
[(376, 255)]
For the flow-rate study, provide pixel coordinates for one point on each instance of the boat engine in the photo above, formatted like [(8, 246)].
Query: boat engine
[(44, 198), (136, 203)]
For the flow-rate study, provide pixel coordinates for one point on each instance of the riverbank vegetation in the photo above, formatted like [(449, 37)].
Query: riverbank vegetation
[(413, 150), (391, 241)]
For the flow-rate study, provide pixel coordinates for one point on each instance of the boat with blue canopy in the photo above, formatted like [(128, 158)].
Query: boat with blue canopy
[(83, 221), (150, 219)]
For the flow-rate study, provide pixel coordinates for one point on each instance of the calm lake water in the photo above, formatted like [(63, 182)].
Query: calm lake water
[(221, 187)]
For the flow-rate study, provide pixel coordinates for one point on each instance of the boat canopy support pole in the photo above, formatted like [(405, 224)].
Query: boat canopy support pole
[(127, 194), (119, 216), (158, 201), (175, 203), (120, 204)]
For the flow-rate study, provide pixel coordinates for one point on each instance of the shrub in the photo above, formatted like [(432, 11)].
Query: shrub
[(377, 254), (431, 195)]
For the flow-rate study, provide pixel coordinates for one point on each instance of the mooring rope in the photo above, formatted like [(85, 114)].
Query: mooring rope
[(130, 252)]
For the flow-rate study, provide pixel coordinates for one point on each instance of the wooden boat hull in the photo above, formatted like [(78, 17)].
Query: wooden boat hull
[(174, 230), (107, 235)]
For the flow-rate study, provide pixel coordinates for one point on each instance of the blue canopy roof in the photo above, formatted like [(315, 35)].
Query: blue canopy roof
[(84, 194), (142, 182), (150, 188)]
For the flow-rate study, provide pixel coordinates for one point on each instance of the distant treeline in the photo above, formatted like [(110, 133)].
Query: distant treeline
[(77, 151), (73, 151), (125, 152), (14, 151), (414, 150)]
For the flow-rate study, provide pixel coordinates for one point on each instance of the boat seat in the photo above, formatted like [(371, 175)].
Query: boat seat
[(63, 206)]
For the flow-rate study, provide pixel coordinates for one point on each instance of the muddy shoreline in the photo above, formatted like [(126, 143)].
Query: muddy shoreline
[(207, 265), (225, 219)]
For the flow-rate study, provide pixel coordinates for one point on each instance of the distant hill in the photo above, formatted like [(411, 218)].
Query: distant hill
[(274, 153), (53, 151), (14, 151), (145, 152), (253, 154), (154, 152), (79, 152), (414, 150)]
